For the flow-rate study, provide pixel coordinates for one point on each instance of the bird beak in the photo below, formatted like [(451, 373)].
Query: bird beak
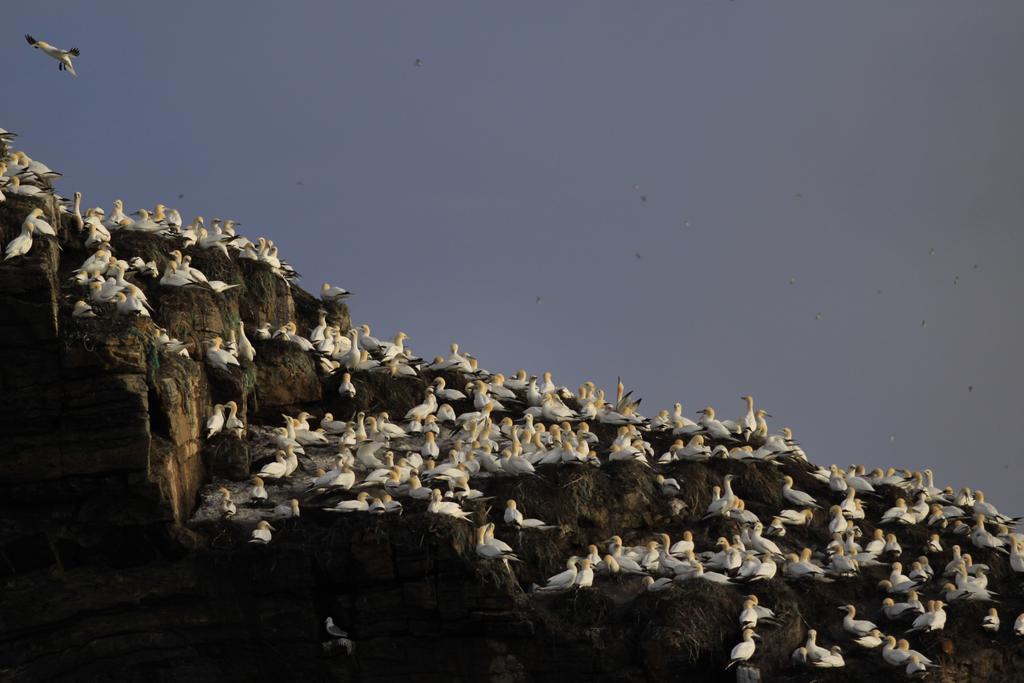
[(768, 415)]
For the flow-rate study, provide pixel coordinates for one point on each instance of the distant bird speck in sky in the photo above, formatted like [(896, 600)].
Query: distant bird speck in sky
[(956, 280), (798, 195), (931, 252), (970, 388), (638, 254), (792, 280), (817, 316), (636, 186), (419, 62), (686, 224), (181, 196), (878, 291), (539, 300), (975, 266), (892, 437), (299, 182), (643, 198)]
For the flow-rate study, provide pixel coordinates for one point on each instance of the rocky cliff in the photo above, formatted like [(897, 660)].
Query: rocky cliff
[(116, 565)]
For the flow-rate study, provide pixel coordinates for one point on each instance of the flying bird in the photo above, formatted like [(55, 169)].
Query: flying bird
[(62, 56)]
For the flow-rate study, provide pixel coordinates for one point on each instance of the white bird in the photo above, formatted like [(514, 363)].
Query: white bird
[(258, 492), (39, 224), (871, 640), (438, 506), (795, 496), (83, 310), (346, 388), (329, 293), (1018, 625), (227, 507), (340, 637), (743, 650), (562, 581), (63, 57), (856, 627), (20, 245), (360, 504), (215, 423), (990, 622), (218, 357), (261, 534), (932, 620)]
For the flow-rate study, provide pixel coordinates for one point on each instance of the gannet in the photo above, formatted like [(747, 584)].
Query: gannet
[(227, 508), (360, 504), (63, 57), (833, 660), (20, 245), (871, 640), (934, 619), (346, 388), (856, 627), (743, 650), (667, 485), (562, 581), (330, 293), (261, 534), (38, 224), (257, 492), (982, 538), (83, 310), (276, 469), (231, 421), (1018, 625), (130, 304), (438, 506), (287, 510), (713, 427), (15, 187), (491, 550), (175, 277), (218, 357), (748, 616), (990, 622), (815, 652), (797, 497), (216, 421)]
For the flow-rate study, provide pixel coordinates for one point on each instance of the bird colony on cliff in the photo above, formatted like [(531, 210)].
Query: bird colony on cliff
[(915, 555)]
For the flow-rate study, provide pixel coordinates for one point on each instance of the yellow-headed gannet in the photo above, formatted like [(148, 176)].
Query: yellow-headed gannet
[(83, 310), (330, 293), (63, 57), (743, 650), (856, 627), (20, 245), (258, 492), (218, 357), (562, 581), (227, 508), (870, 641), (215, 422), (261, 534)]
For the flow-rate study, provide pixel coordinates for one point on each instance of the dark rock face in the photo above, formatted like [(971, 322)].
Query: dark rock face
[(102, 458)]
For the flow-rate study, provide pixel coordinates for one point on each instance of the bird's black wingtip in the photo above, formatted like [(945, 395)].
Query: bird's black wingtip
[(75, 51), (30, 39)]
